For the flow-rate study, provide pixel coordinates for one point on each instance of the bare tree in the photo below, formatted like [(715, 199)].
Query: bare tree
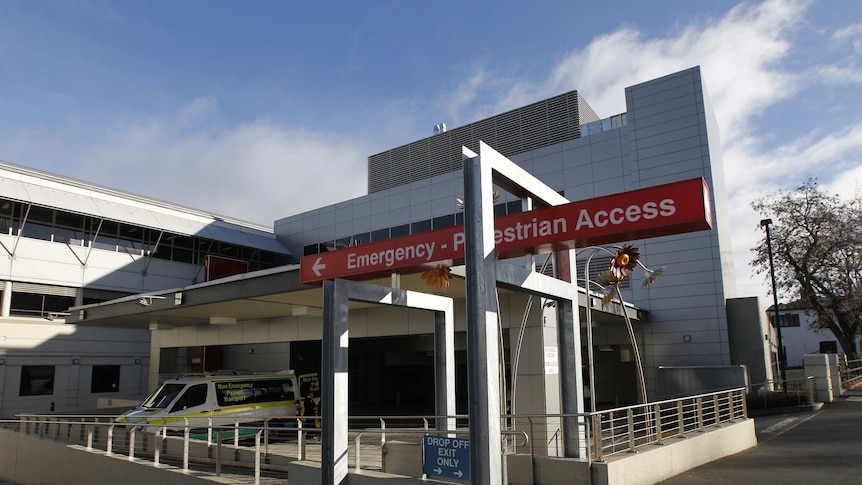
[(817, 248)]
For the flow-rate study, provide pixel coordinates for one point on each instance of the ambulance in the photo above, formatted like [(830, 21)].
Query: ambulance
[(218, 400)]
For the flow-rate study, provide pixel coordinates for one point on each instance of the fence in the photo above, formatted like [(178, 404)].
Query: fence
[(256, 451), (851, 373)]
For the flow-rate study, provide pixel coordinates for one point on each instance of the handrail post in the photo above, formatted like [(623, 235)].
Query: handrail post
[(699, 401), (597, 435), (131, 443), (657, 412), (236, 432), (110, 444), (157, 447), (90, 429), (382, 434), (300, 440), (186, 432), (218, 453), (717, 410), (257, 458), (680, 412), (731, 405), (209, 431), (630, 419), (266, 438), (532, 453), (357, 453)]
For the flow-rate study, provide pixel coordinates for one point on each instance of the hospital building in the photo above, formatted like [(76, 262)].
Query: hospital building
[(107, 293)]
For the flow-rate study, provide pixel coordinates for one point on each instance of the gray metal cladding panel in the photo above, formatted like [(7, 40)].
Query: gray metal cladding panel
[(485, 130), (670, 147), (674, 171), (661, 113), (682, 133), (460, 137), (548, 163), (361, 224), (680, 95), (578, 157), (646, 130), (343, 213), (606, 149), (362, 208), (608, 169), (439, 150), (665, 83), (420, 159), (584, 113), (509, 133), (693, 155), (534, 126), (560, 119)]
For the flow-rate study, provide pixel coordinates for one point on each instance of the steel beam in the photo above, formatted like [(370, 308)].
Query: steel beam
[(334, 380)]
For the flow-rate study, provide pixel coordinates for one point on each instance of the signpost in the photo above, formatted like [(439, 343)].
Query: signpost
[(446, 457), (651, 212)]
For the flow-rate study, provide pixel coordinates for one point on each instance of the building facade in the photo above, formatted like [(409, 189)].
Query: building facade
[(667, 134), (267, 320), (66, 242)]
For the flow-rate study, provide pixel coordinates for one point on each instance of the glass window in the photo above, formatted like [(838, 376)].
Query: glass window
[(401, 230), (444, 221), (183, 255), (196, 395), (420, 226), (107, 236), (105, 378), (310, 249), (363, 238), (6, 211), (380, 235), (164, 396), (499, 210), (459, 218), (514, 207), (183, 242), (229, 250), (37, 380)]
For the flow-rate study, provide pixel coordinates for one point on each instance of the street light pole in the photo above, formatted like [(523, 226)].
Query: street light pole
[(781, 363)]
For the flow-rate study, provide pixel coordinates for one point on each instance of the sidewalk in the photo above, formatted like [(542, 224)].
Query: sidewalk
[(814, 447)]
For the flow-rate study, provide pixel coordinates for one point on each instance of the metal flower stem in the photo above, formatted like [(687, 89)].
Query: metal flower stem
[(634, 345)]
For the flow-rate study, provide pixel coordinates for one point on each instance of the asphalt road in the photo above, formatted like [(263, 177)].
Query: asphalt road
[(814, 447)]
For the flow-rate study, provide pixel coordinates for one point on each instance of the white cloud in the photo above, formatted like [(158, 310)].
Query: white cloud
[(743, 57), (259, 172), (851, 34)]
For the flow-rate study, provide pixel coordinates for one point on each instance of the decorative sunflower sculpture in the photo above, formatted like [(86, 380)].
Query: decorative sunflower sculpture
[(626, 259), (438, 277)]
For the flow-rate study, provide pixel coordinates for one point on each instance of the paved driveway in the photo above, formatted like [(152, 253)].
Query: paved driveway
[(819, 447)]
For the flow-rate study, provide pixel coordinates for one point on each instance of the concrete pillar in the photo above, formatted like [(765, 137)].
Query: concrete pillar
[(538, 380), (6, 302), (817, 365)]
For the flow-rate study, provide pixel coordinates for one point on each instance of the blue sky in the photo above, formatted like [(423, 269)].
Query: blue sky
[(259, 110)]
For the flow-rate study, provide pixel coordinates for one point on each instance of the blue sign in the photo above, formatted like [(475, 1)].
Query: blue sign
[(446, 457)]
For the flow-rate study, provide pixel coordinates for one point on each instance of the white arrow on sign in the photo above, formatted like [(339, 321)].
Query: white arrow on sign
[(458, 473), (317, 267), (438, 470)]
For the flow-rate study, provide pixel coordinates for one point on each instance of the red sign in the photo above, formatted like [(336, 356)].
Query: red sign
[(655, 211)]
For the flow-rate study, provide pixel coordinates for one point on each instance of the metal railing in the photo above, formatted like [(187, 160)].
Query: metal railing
[(851, 373), (627, 429), (778, 393), (253, 451)]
